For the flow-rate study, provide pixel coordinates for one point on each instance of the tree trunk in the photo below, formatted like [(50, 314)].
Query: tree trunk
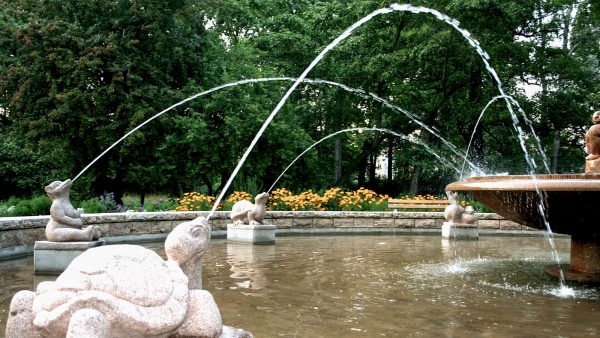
[(374, 151), (337, 173), (372, 169), (362, 171), (337, 125), (208, 183), (555, 148), (414, 183)]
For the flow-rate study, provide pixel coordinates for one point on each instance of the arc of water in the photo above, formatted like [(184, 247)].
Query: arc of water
[(525, 118), (341, 37), (475, 128), (383, 130), (413, 117), (406, 8), (528, 122), (541, 194), (214, 89), (410, 115), (393, 7)]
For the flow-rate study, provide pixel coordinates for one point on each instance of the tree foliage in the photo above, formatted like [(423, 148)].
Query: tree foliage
[(76, 76)]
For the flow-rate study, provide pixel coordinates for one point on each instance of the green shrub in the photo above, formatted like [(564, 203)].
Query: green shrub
[(92, 206), (40, 205), (479, 207), (23, 208), (7, 210), (7, 207), (160, 204)]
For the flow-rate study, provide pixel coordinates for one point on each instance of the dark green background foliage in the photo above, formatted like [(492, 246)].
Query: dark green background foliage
[(75, 76)]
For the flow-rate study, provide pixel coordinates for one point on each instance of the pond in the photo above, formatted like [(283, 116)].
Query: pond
[(368, 286)]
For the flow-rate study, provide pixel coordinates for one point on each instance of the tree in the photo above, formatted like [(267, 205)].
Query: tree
[(81, 74)]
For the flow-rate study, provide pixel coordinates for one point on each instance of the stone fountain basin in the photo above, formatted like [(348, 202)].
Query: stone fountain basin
[(572, 201)]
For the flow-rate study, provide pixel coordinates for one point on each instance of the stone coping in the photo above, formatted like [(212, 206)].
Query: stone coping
[(28, 222), (18, 234)]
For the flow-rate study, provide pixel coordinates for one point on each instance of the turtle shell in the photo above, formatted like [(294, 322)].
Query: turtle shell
[(128, 272)]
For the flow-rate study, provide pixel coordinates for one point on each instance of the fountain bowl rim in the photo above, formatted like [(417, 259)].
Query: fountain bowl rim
[(544, 182)]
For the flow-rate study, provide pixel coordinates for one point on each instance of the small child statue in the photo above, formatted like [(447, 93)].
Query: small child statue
[(592, 146)]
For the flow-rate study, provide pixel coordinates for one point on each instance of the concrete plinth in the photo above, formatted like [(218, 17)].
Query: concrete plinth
[(255, 234), (459, 231), (52, 258)]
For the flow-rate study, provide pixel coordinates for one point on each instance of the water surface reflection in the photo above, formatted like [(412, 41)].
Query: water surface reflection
[(383, 286)]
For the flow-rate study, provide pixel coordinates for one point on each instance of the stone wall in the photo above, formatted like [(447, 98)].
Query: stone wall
[(18, 234)]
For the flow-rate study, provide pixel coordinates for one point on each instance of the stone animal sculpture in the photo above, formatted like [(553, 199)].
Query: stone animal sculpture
[(65, 223), (244, 212), (592, 138), (453, 212), (125, 291), (469, 217)]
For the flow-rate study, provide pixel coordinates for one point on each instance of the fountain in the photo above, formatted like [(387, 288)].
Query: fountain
[(82, 316), (566, 202)]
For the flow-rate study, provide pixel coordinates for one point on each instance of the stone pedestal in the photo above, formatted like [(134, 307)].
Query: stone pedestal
[(459, 231), (52, 258), (592, 166), (255, 234)]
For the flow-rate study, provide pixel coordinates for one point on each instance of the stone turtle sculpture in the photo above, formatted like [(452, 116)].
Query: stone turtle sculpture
[(244, 212), (125, 291)]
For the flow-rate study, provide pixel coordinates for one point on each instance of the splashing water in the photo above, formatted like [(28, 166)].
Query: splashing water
[(564, 292), (404, 137), (456, 268), (525, 118), (475, 129)]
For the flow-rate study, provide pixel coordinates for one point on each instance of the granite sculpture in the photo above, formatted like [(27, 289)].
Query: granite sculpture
[(592, 146), (461, 223), (468, 216), (249, 225), (244, 212), (453, 212), (65, 224), (125, 291)]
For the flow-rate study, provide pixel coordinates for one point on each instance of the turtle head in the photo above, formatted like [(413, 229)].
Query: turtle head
[(188, 241), (261, 198)]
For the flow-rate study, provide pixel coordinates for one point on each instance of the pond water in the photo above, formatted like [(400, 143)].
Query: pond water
[(371, 286)]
